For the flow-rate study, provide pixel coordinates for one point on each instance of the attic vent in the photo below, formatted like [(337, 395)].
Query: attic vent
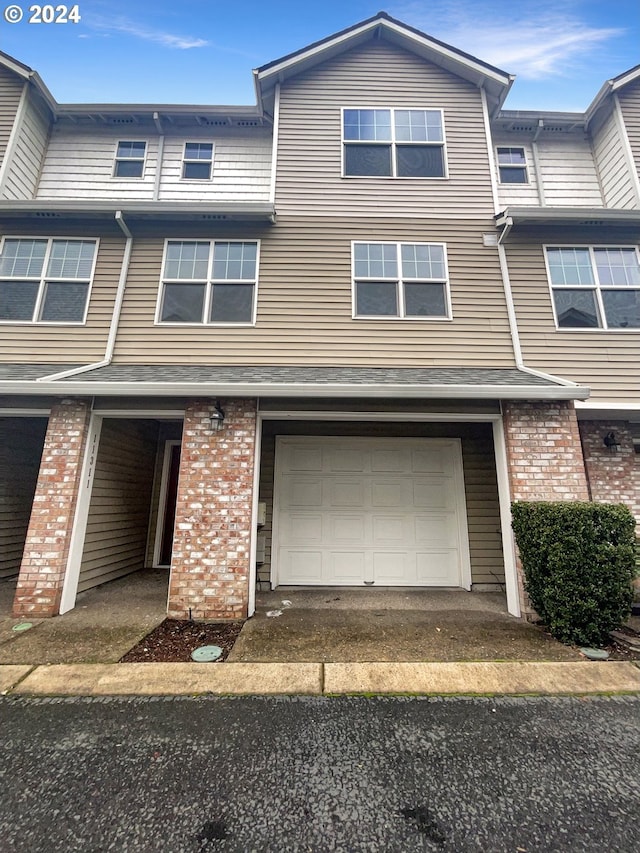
[(211, 216), (122, 121), (46, 214), (553, 129), (522, 128), (213, 122), (248, 123), (597, 222)]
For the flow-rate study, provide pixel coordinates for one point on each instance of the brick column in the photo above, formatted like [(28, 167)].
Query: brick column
[(544, 458), (211, 546), (44, 560), (614, 477)]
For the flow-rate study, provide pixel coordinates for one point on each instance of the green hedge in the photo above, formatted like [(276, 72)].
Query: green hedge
[(578, 561)]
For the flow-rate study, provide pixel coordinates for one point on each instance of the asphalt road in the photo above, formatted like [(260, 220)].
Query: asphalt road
[(320, 774)]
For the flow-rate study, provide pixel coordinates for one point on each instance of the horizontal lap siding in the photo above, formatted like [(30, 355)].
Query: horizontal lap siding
[(73, 344), (21, 443), (568, 171), (10, 92), (630, 105), (241, 168), (607, 361), (612, 164), (304, 304), (118, 521), (22, 178), (481, 490), (378, 74), (517, 193)]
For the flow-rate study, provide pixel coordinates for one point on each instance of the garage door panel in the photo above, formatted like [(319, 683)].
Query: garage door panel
[(346, 528), (388, 493), (303, 566), (426, 461), (393, 568), (346, 567), (303, 458), (436, 529), (304, 493), (390, 529), (345, 493), (436, 494), (304, 528), (437, 567), (340, 461), (392, 461)]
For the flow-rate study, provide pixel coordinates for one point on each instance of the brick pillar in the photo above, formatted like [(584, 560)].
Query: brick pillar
[(44, 560), (211, 546), (544, 458), (614, 477)]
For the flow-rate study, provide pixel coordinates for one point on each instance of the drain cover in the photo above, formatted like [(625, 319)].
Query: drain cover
[(595, 654), (204, 654), (22, 626)]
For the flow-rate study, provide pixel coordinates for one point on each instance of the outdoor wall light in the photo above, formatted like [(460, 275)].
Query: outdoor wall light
[(217, 418), (611, 442)]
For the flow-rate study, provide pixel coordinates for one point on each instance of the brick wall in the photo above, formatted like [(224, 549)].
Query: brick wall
[(614, 477), (211, 548), (46, 549), (544, 458)]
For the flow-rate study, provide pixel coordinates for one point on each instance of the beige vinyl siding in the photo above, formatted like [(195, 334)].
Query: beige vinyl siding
[(378, 75), (481, 490), (10, 93), (517, 194), (21, 443), (241, 168), (79, 164), (629, 98), (24, 170), (568, 170), (612, 164), (20, 342), (305, 305), (607, 361), (118, 521)]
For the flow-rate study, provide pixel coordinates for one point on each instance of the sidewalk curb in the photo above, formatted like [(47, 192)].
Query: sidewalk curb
[(321, 679)]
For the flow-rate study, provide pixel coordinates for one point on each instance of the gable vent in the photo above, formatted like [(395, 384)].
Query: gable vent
[(213, 122), (248, 123), (46, 214), (522, 128), (122, 121), (597, 222), (210, 216), (553, 129)]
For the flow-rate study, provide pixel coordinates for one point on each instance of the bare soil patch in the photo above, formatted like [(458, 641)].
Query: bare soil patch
[(174, 640)]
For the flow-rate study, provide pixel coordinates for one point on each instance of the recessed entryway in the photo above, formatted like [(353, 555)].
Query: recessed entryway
[(352, 511)]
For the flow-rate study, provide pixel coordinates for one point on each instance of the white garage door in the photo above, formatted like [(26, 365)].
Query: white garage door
[(384, 511)]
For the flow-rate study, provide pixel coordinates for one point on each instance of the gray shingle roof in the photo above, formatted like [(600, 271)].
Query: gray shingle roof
[(21, 372)]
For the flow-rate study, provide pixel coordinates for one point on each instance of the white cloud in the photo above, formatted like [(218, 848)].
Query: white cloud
[(171, 40), (535, 42)]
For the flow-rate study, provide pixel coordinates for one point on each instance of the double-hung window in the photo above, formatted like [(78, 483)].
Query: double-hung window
[(394, 143), (197, 161), (45, 280), (512, 165), (406, 280), (209, 281), (130, 157), (595, 287)]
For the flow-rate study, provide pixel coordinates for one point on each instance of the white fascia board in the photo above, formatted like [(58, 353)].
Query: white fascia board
[(625, 79), (296, 389)]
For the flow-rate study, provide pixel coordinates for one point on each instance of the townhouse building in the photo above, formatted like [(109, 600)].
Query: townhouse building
[(323, 340)]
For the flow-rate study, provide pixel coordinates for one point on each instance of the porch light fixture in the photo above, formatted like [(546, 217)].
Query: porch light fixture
[(611, 442), (217, 418)]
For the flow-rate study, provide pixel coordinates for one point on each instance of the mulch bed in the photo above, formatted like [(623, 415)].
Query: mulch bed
[(174, 640)]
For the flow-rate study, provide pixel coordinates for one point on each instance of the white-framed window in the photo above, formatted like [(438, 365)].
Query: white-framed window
[(512, 165), (594, 287), (130, 158), (209, 282), (46, 280), (393, 143), (197, 161), (405, 280)]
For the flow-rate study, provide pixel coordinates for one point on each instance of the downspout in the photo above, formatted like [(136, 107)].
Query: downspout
[(117, 309), (536, 164)]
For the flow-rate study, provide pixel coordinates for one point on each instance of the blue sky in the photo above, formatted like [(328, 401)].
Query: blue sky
[(202, 51)]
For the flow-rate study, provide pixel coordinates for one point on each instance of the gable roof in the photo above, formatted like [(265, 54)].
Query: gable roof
[(382, 26), (610, 87)]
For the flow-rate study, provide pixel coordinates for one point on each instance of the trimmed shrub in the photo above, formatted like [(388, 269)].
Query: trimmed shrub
[(578, 561)]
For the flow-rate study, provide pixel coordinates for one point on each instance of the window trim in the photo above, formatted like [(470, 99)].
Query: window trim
[(513, 166), (117, 160), (393, 143), (400, 281), (209, 284), (595, 287), (186, 160), (43, 279)]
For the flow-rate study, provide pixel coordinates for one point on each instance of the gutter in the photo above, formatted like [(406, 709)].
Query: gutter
[(115, 317), (50, 385)]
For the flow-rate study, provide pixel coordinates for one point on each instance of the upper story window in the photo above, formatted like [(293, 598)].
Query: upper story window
[(45, 280), (406, 280), (394, 143), (209, 281), (197, 161), (594, 287), (512, 166), (130, 156)]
